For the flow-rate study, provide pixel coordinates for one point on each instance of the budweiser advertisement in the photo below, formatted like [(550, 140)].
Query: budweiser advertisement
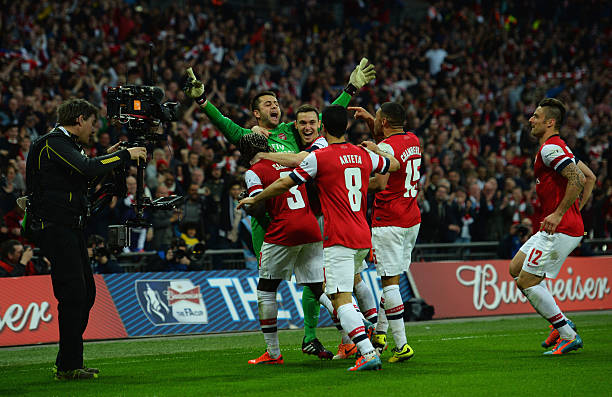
[(28, 312), (484, 288)]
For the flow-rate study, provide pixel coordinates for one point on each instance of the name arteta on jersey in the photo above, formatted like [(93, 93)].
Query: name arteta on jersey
[(411, 151), (350, 159)]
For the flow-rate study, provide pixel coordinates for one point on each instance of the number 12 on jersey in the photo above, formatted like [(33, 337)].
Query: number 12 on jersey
[(412, 175)]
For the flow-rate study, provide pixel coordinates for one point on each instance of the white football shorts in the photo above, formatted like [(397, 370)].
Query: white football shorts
[(341, 264), (393, 248), (545, 253), (281, 261)]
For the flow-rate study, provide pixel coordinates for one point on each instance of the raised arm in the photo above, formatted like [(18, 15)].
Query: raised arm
[(195, 90), (360, 76)]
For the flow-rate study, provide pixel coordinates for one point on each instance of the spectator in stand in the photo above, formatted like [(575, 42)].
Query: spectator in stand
[(471, 115), (439, 223), (15, 260), (162, 222)]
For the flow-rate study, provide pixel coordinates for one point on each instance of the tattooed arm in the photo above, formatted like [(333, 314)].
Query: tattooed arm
[(588, 185), (575, 185)]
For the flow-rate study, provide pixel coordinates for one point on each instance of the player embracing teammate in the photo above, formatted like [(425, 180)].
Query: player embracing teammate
[(395, 220), (342, 173)]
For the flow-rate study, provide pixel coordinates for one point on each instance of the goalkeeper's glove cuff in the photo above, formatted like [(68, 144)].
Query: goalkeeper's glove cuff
[(350, 89), (200, 100)]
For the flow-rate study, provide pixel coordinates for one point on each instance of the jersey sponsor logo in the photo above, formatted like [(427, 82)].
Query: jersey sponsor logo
[(282, 136), (350, 159), (166, 302)]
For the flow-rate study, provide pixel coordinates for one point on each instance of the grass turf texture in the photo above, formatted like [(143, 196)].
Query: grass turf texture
[(452, 358)]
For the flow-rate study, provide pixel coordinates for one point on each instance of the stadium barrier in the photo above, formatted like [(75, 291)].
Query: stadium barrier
[(485, 288), (147, 304)]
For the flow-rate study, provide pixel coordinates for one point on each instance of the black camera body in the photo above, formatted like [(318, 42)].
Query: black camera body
[(522, 230), (140, 107)]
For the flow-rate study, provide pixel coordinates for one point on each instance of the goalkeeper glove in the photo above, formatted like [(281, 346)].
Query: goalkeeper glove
[(361, 76), (194, 88)]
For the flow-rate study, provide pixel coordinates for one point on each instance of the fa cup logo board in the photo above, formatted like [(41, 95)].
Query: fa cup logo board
[(167, 302)]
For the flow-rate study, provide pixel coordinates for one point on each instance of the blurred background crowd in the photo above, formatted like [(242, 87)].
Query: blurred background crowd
[(469, 73)]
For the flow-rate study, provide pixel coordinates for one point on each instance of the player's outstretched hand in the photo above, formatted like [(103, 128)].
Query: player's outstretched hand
[(360, 113), (245, 202), (194, 88), (362, 74)]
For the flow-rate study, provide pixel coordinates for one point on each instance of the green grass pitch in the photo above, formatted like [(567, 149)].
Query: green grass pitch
[(476, 357)]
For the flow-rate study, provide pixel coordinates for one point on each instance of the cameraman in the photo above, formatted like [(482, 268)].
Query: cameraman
[(181, 257), (100, 256), (58, 172), (519, 234), (15, 261)]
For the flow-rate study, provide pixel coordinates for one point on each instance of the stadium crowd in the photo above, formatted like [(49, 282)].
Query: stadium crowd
[(469, 74)]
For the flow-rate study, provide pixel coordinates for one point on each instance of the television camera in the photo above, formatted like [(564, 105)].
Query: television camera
[(140, 110)]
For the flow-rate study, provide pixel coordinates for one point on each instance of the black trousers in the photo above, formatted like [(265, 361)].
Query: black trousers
[(73, 287)]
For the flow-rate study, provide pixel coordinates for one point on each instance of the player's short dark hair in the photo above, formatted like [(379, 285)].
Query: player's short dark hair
[(554, 109), (255, 100), (69, 111), (306, 108), (335, 120), (394, 113), (251, 144)]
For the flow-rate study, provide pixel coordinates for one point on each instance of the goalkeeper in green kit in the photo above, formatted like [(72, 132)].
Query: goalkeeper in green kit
[(282, 137)]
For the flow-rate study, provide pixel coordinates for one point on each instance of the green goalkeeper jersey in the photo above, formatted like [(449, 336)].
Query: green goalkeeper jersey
[(283, 139)]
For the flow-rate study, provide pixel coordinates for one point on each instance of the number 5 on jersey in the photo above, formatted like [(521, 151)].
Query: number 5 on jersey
[(412, 175), (297, 201)]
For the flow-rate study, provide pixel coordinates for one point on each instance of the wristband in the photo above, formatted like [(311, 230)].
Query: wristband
[(350, 89), (201, 99)]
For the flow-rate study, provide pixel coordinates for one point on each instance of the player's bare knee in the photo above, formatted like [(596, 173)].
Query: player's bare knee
[(389, 280), (527, 280), (516, 264), (357, 279)]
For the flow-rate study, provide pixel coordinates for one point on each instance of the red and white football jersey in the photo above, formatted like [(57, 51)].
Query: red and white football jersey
[(397, 204), (293, 222), (318, 143), (552, 158), (342, 172)]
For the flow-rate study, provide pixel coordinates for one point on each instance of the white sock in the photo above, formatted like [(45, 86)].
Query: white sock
[(268, 313), (345, 338), (382, 325), (354, 328), (366, 300), (324, 300), (356, 307), (544, 303), (395, 314)]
